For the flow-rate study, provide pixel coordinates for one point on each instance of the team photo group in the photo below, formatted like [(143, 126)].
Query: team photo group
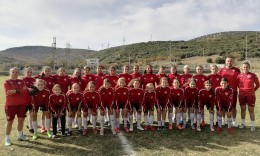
[(83, 99)]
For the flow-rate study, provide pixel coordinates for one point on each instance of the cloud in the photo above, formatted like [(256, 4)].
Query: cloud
[(92, 23)]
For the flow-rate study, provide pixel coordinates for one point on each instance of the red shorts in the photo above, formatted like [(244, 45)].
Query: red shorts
[(11, 111), (234, 104), (249, 100)]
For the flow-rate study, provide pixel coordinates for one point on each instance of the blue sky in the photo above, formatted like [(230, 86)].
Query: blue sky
[(93, 23)]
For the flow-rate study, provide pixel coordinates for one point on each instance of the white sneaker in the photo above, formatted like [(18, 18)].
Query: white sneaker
[(131, 128), (234, 124), (198, 128), (242, 126), (22, 138), (7, 142), (140, 128), (252, 128)]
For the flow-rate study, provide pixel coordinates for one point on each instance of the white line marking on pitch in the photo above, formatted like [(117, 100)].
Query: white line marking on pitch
[(126, 145)]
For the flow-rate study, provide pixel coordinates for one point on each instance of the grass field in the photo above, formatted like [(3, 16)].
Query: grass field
[(175, 142)]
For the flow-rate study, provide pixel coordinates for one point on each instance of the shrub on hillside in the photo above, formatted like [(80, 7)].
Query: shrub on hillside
[(209, 60), (219, 60)]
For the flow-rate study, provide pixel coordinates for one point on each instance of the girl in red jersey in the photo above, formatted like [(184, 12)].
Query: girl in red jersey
[(163, 93), (46, 76), (160, 74), (148, 76), (148, 106), (200, 78), (122, 102), (74, 104), (62, 79), (177, 97), (172, 75), (15, 104), (40, 101), (191, 101), (185, 76), (87, 77), (92, 100), (136, 74), (57, 105), (224, 98), (76, 78), (112, 76), (248, 83), (206, 97), (29, 81), (215, 79), (136, 99), (99, 77), (126, 74), (106, 93)]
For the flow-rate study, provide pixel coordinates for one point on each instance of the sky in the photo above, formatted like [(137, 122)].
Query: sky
[(98, 24)]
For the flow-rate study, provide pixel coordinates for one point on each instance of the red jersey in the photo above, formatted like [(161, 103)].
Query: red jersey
[(86, 79), (163, 96), (41, 99), (171, 77), (57, 103), (224, 98), (136, 76), (200, 79), (29, 81), (99, 80), (136, 96), (127, 77), (74, 100), (91, 100), (122, 96), (49, 81), (159, 76), (113, 80), (191, 97), (184, 79), (148, 78), (215, 80), (177, 97), (63, 81), (231, 75), (206, 98), (106, 97), (73, 80), (149, 100), (18, 97), (248, 83)]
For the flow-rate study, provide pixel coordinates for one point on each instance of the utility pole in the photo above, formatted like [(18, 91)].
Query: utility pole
[(246, 48), (170, 51), (55, 59), (68, 54)]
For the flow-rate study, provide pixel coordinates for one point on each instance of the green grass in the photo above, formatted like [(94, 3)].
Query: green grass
[(176, 142)]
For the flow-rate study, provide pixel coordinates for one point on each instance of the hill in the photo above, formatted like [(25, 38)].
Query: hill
[(233, 42)]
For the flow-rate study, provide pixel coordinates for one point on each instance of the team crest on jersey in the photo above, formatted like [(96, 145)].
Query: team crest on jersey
[(249, 76), (65, 79), (138, 93), (203, 79), (151, 78), (233, 70), (210, 96), (124, 93), (89, 77), (178, 94), (49, 83), (109, 93), (217, 79), (43, 95), (151, 96), (93, 97), (226, 93), (77, 98), (60, 100), (165, 92), (19, 82)]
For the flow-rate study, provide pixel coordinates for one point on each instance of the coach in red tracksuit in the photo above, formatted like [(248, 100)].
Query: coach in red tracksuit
[(15, 104), (248, 83), (230, 73)]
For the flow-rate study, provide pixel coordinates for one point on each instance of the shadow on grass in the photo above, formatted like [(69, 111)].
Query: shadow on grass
[(182, 141)]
